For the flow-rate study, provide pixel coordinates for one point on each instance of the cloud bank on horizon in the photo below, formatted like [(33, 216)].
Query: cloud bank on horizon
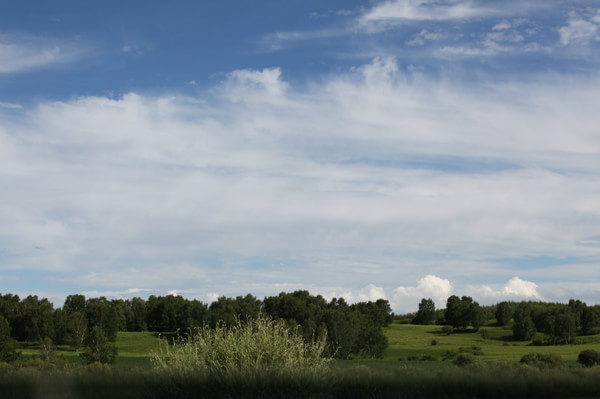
[(401, 149)]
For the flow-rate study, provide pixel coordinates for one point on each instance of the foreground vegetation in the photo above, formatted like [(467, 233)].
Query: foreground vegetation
[(462, 351)]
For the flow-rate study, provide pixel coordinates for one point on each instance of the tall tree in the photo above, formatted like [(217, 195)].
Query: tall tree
[(426, 312), (504, 313)]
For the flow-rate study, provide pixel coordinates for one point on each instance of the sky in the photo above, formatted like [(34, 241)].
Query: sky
[(365, 149)]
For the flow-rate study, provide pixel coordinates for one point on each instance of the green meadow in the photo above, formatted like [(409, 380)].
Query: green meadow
[(418, 346), (413, 366)]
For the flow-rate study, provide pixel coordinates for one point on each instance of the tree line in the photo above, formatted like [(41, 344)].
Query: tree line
[(560, 322), (351, 329)]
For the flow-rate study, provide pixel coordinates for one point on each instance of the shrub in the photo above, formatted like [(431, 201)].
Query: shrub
[(465, 359), (447, 329), (543, 361), (250, 348), (434, 342), (588, 357), (98, 348)]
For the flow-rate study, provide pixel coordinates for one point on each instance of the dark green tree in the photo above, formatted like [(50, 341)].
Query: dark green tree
[(137, 317), (101, 313), (462, 312), (98, 348), (590, 318), (523, 328), (227, 310), (75, 303), (426, 312), (563, 326), (8, 346), (35, 319), (342, 331), (504, 313)]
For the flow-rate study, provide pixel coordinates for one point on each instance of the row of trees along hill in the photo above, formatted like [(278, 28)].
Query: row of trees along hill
[(560, 322), (351, 329)]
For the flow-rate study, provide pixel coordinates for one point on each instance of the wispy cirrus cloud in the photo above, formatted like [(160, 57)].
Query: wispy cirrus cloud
[(393, 12), (20, 54)]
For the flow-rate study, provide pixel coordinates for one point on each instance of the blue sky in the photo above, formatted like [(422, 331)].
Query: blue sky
[(365, 149)]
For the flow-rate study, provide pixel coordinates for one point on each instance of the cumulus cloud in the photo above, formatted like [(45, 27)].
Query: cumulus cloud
[(516, 289), (430, 286), (359, 179), (521, 288)]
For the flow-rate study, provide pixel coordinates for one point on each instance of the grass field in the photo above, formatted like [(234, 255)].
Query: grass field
[(400, 374), (408, 345), (408, 341)]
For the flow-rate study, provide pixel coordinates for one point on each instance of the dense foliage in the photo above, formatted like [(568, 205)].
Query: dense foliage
[(561, 323), (350, 329)]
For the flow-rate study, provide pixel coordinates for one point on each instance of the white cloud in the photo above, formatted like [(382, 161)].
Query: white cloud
[(520, 288), (515, 290), (131, 292), (579, 30), (425, 36), (424, 10), (19, 54), (249, 85), (10, 105), (359, 179), (430, 286)]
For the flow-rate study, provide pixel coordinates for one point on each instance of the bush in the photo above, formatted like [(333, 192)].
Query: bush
[(434, 342), (252, 348), (98, 348), (543, 361), (465, 359), (588, 357), (447, 329)]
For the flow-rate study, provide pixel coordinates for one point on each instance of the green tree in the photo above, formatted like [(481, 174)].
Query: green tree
[(98, 348), (8, 346), (523, 328), (101, 313), (74, 303), (563, 326), (78, 328), (426, 312), (590, 318), (504, 313), (462, 312)]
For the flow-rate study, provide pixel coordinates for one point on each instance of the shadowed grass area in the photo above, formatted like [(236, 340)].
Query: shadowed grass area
[(489, 382)]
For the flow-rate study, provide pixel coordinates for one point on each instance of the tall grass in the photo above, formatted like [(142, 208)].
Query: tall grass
[(251, 347)]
